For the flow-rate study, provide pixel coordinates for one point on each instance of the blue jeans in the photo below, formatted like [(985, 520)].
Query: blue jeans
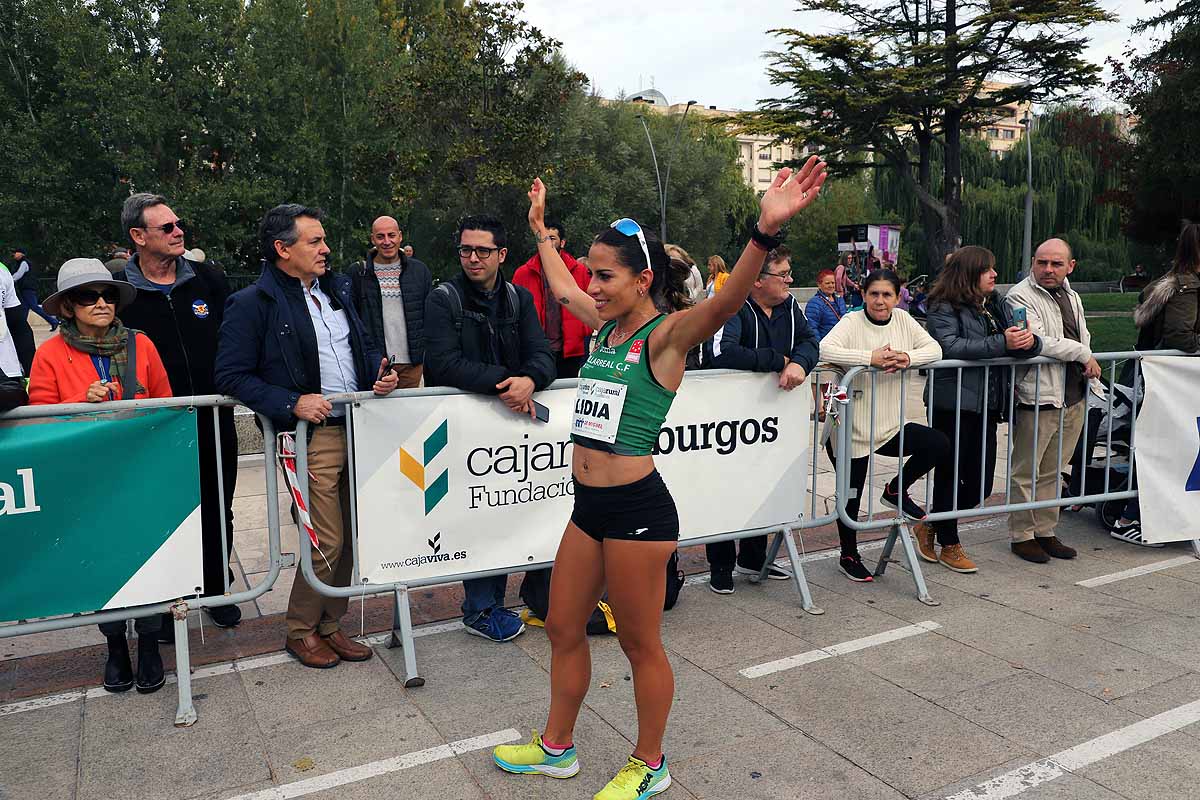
[(30, 301), (483, 594), (1133, 509)]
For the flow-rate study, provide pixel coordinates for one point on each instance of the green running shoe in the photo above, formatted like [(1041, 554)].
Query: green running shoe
[(532, 759), (637, 781)]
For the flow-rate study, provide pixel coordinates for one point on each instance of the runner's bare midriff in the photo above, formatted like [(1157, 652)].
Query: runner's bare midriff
[(598, 468)]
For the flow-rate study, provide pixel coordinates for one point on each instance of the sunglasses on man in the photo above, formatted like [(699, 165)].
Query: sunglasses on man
[(167, 228), (89, 297)]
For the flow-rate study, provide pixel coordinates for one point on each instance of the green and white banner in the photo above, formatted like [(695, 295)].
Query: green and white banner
[(99, 512), (458, 483)]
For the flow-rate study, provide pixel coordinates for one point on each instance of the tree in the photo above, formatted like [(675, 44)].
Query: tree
[(907, 76), (1162, 88)]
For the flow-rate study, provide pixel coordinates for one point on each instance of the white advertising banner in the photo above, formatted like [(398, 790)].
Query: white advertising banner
[(1168, 449), (458, 483)]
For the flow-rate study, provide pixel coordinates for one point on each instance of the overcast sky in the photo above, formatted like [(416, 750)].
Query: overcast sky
[(712, 50)]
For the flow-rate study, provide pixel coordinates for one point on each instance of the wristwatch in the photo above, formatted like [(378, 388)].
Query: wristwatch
[(763, 240)]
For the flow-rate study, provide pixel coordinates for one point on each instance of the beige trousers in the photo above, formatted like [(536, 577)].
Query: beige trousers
[(1025, 525), (329, 507)]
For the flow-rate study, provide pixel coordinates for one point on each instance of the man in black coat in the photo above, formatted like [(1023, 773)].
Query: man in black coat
[(179, 305), (390, 289), (482, 335), (768, 334)]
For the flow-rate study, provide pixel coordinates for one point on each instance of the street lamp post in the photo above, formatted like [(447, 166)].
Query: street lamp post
[(1027, 244), (657, 176), (671, 157)]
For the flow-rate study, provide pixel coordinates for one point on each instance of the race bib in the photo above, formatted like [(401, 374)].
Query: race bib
[(598, 406)]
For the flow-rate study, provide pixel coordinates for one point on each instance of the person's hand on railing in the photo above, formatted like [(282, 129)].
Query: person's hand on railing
[(898, 361), (517, 394), (100, 391), (791, 376), (1019, 338), (881, 356), (312, 408), (387, 381), (1091, 369)]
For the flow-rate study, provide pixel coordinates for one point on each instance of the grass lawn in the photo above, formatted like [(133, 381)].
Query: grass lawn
[(1109, 301), (1112, 334)]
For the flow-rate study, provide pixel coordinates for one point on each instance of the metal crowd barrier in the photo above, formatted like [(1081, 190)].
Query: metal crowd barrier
[(897, 523), (402, 628), (186, 712)]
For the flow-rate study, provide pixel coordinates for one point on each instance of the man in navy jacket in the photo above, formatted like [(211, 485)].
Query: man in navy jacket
[(287, 340), (768, 334)]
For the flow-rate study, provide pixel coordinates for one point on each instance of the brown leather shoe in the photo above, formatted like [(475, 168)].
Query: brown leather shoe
[(923, 535), (1030, 550), (347, 648), (1054, 548), (312, 651)]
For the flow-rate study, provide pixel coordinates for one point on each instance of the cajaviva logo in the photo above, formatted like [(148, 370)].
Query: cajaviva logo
[(417, 471)]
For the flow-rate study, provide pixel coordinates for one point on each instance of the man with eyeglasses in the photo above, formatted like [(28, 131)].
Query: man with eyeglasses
[(1054, 313), (482, 335), (180, 305), (565, 333), (390, 289), (768, 334)]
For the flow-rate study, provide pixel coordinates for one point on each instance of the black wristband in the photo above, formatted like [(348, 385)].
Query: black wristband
[(763, 240)]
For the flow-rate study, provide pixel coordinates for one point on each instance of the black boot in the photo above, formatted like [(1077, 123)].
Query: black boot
[(150, 676), (118, 672)]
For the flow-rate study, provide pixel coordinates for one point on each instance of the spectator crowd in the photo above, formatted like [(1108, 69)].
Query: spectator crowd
[(158, 321)]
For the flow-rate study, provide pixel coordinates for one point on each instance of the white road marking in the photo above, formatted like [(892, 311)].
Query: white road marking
[(1145, 569), (1076, 758), (841, 649), (376, 768)]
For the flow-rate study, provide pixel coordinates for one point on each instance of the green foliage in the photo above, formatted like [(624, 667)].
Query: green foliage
[(905, 76), (422, 109), (812, 237), (1109, 301), (1077, 177), (1162, 88)]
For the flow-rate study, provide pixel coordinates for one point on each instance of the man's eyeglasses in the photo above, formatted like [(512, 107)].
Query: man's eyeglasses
[(167, 228), (89, 297), (629, 227), (783, 276), (482, 253)]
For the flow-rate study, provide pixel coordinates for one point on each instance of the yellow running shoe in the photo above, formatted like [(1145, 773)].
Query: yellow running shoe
[(637, 781), (532, 759)]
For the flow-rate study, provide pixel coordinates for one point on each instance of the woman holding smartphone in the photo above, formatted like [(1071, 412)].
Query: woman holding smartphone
[(968, 320), (625, 526)]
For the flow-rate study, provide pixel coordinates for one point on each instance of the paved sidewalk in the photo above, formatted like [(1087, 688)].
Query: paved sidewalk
[(1022, 683)]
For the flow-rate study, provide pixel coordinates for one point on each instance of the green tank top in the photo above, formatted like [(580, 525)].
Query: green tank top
[(619, 406)]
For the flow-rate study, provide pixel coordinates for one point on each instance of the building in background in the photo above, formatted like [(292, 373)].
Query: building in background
[(758, 156)]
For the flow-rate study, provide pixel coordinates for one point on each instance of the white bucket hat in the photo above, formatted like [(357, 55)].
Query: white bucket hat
[(78, 272)]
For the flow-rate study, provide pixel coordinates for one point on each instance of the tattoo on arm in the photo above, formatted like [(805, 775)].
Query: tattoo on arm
[(564, 300)]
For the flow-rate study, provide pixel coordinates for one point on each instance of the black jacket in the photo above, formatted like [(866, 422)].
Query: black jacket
[(183, 324), (476, 353), (416, 281), (963, 334), (268, 353), (750, 340)]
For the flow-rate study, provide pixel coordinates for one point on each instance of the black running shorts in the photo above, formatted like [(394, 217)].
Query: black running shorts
[(640, 511)]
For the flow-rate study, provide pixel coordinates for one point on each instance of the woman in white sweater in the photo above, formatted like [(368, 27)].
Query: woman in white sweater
[(887, 338)]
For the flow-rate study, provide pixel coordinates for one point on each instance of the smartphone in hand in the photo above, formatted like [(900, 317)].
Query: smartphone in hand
[(541, 412), (1019, 318), (388, 365)]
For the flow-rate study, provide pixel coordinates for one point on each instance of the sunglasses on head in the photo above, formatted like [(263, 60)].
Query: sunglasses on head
[(629, 227), (166, 228), (89, 297)]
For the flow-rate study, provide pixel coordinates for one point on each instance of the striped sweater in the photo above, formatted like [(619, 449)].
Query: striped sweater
[(850, 344)]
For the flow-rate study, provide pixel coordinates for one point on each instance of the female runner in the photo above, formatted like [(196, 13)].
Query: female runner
[(625, 524)]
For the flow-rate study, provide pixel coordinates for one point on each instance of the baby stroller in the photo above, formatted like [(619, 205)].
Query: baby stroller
[(1092, 460)]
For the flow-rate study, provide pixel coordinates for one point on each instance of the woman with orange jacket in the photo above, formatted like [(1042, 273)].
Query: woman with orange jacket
[(88, 361)]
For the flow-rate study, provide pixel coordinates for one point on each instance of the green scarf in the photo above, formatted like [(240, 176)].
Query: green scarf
[(112, 343)]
